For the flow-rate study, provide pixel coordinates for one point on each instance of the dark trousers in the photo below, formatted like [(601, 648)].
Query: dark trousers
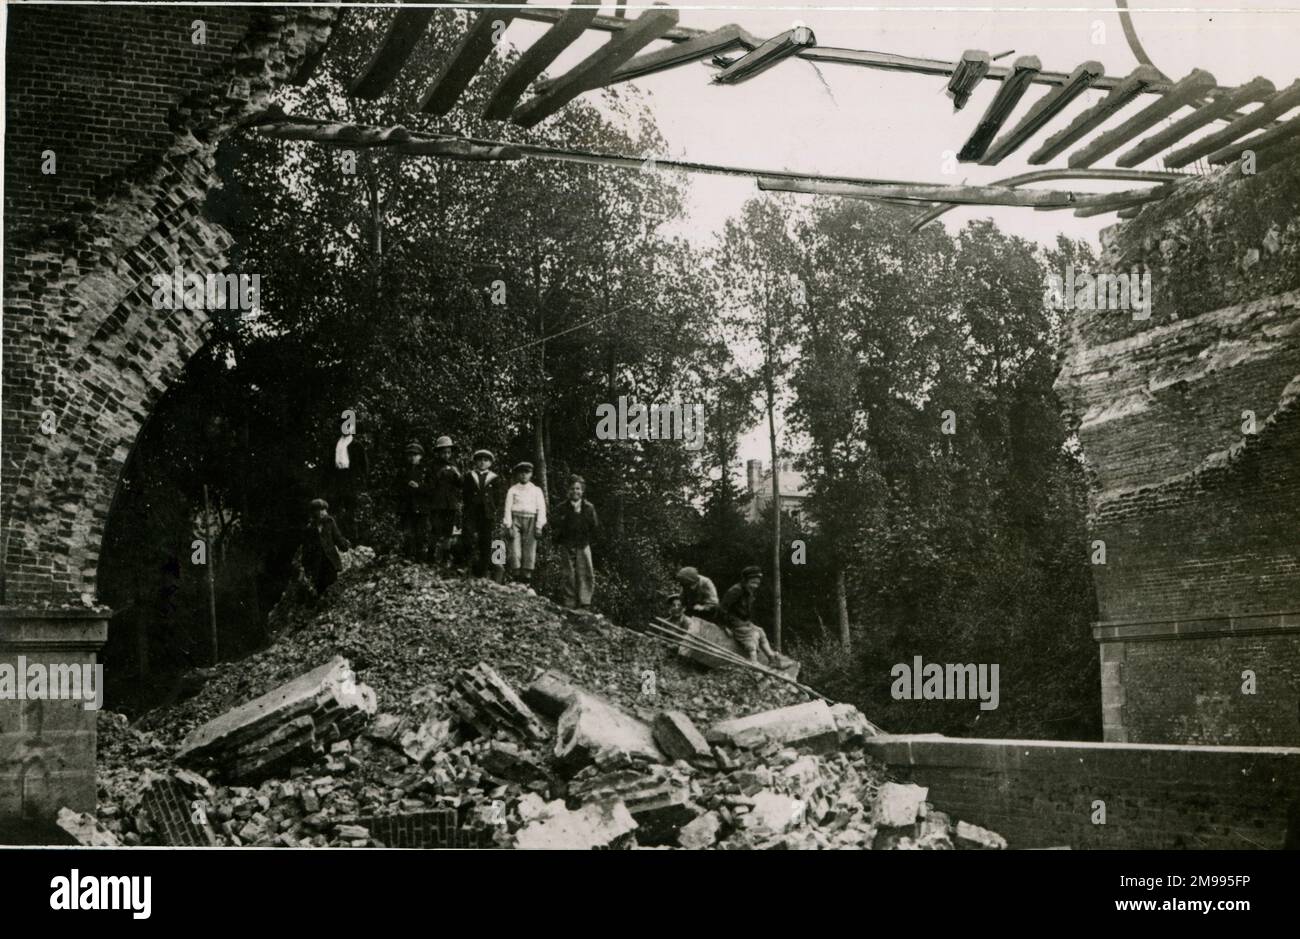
[(343, 505), (443, 523), (478, 532), (415, 536), (322, 575)]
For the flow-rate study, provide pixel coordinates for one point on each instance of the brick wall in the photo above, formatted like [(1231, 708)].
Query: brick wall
[(133, 111), (1199, 514), (1040, 794), (1233, 681), (435, 829)]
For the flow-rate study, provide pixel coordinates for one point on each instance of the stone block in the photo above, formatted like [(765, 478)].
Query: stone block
[(591, 731), (810, 725), (679, 738)]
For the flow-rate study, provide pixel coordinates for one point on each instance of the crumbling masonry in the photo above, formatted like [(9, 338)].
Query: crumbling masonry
[(127, 110), (1190, 422), (1188, 419)]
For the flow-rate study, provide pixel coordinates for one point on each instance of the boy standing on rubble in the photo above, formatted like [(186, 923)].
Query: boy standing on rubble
[(737, 617), (321, 542), (413, 504), (480, 491), (524, 520), (576, 527), (445, 502)]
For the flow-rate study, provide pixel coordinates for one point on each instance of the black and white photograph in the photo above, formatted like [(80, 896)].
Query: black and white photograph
[(480, 428)]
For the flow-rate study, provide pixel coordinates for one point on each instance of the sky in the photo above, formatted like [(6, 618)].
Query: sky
[(847, 120)]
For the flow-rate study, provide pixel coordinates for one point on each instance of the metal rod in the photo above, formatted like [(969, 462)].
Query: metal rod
[(700, 643), (637, 162), (960, 195), (1153, 176)]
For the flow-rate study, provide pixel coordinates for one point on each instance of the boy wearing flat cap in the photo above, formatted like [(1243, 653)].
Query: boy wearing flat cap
[(524, 519), (321, 541), (413, 494), (699, 595), (444, 502), (737, 616), (481, 494)]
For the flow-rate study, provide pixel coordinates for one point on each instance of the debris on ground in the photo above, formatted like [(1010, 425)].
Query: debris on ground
[(810, 724), (486, 702), (85, 829), (591, 731), (678, 737), (298, 719), (460, 713), (898, 805)]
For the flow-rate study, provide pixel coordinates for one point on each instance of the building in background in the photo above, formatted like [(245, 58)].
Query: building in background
[(794, 492)]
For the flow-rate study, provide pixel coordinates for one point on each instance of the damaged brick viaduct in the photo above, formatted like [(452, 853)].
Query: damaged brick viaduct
[(1199, 519), (131, 111)]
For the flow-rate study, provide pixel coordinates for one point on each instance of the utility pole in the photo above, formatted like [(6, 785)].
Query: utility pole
[(769, 379), (212, 586)]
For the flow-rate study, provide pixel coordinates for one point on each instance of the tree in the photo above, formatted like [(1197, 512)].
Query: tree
[(756, 272)]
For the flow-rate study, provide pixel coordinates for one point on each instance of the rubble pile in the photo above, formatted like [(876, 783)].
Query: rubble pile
[(413, 711), (402, 628)]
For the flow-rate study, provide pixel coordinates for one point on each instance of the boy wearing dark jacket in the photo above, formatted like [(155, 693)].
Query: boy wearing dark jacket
[(445, 501), (575, 526), (413, 496), (321, 541), (483, 501), (737, 616)]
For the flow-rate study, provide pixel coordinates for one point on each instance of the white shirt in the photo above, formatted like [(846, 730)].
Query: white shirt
[(526, 499)]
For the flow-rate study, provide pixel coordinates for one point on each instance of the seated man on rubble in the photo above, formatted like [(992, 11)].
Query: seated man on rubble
[(699, 595), (737, 617), (677, 611)]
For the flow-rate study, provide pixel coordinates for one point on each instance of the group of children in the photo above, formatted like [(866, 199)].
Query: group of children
[(432, 501)]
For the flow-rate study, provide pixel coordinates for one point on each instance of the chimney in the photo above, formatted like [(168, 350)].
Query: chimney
[(754, 474)]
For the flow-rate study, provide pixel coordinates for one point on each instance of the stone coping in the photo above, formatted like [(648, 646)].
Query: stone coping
[(1083, 756), (67, 628), (1198, 627)]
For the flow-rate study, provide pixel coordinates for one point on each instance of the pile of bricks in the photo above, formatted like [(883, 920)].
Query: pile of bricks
[(271, 733)]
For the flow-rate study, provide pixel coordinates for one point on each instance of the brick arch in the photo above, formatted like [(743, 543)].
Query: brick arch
[(134, 112)]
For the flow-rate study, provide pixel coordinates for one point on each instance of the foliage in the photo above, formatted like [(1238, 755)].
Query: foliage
[(501, 303)]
